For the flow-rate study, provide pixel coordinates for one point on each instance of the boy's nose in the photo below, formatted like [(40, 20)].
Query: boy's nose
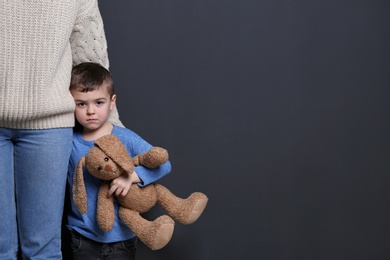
[(90, 110)]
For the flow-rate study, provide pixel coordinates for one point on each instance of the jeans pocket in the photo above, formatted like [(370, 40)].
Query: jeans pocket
[(76, 241), (130, 245)]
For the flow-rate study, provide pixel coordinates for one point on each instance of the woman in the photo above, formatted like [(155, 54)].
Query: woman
[(41, 41)]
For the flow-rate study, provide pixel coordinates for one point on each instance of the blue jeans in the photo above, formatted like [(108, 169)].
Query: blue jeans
[(85, 248), (33, 172)]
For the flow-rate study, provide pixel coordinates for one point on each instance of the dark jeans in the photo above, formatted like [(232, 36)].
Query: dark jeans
[(84, 248)]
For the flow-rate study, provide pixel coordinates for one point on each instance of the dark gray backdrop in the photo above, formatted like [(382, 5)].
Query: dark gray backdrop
[(277, 110)]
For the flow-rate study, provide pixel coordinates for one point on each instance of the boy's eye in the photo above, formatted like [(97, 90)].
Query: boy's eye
[(80, 104)]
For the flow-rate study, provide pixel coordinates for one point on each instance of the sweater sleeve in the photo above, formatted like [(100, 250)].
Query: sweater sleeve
[(88, 40)]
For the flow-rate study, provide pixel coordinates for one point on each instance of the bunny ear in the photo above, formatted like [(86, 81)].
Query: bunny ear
[(114, 148), (79, 192)]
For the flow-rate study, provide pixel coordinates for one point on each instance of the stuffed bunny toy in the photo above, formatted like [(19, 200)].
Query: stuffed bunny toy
[(108, 159)]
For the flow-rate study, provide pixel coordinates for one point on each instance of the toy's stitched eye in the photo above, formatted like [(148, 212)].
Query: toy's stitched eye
[(106, 159)]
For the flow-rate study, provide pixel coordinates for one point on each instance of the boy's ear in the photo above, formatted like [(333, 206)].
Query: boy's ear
[(113, 101)]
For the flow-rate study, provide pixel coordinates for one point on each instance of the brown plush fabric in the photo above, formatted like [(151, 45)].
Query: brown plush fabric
[(186, 211), (114, 149), (78, 189), (105, 209), (153, 158), (155, 234)]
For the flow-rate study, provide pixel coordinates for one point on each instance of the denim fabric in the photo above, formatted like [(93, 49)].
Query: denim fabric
[(33, 171), (85, 248)]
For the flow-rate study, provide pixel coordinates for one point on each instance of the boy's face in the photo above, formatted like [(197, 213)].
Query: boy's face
[(93, 107)]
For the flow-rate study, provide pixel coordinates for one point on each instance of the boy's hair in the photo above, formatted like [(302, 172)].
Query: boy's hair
[(89, 76)]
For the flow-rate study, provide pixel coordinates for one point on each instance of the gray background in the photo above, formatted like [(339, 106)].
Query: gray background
[(277, 110)]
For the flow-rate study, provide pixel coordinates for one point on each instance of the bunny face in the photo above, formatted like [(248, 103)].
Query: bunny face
[(100, 165)]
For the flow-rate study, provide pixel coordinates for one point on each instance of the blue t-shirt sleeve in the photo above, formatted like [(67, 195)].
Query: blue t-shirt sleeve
[(137, 145), (149, 176)]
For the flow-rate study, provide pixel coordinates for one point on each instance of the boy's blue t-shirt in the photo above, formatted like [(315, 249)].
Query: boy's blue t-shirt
[(86, 224)]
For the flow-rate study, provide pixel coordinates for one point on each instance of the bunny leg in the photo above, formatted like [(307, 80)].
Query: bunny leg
[(185, 211), (154, 234)]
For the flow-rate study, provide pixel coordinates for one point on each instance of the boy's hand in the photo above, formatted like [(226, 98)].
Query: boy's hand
[(121, 185)]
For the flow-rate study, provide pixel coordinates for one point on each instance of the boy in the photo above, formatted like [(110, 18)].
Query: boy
[(93, 91)]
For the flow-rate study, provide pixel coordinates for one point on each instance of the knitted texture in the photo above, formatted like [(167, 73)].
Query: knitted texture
[(41, 40)]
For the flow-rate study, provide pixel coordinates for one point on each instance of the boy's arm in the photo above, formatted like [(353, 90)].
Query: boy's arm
[(137, 145), (121, 185), (148, 176)]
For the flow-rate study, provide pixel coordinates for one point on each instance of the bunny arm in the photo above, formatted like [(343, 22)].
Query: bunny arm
[(105, 214), (153, 158), (78, 189)]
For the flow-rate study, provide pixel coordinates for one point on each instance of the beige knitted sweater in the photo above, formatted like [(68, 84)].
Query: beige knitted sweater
[(40, 41)]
